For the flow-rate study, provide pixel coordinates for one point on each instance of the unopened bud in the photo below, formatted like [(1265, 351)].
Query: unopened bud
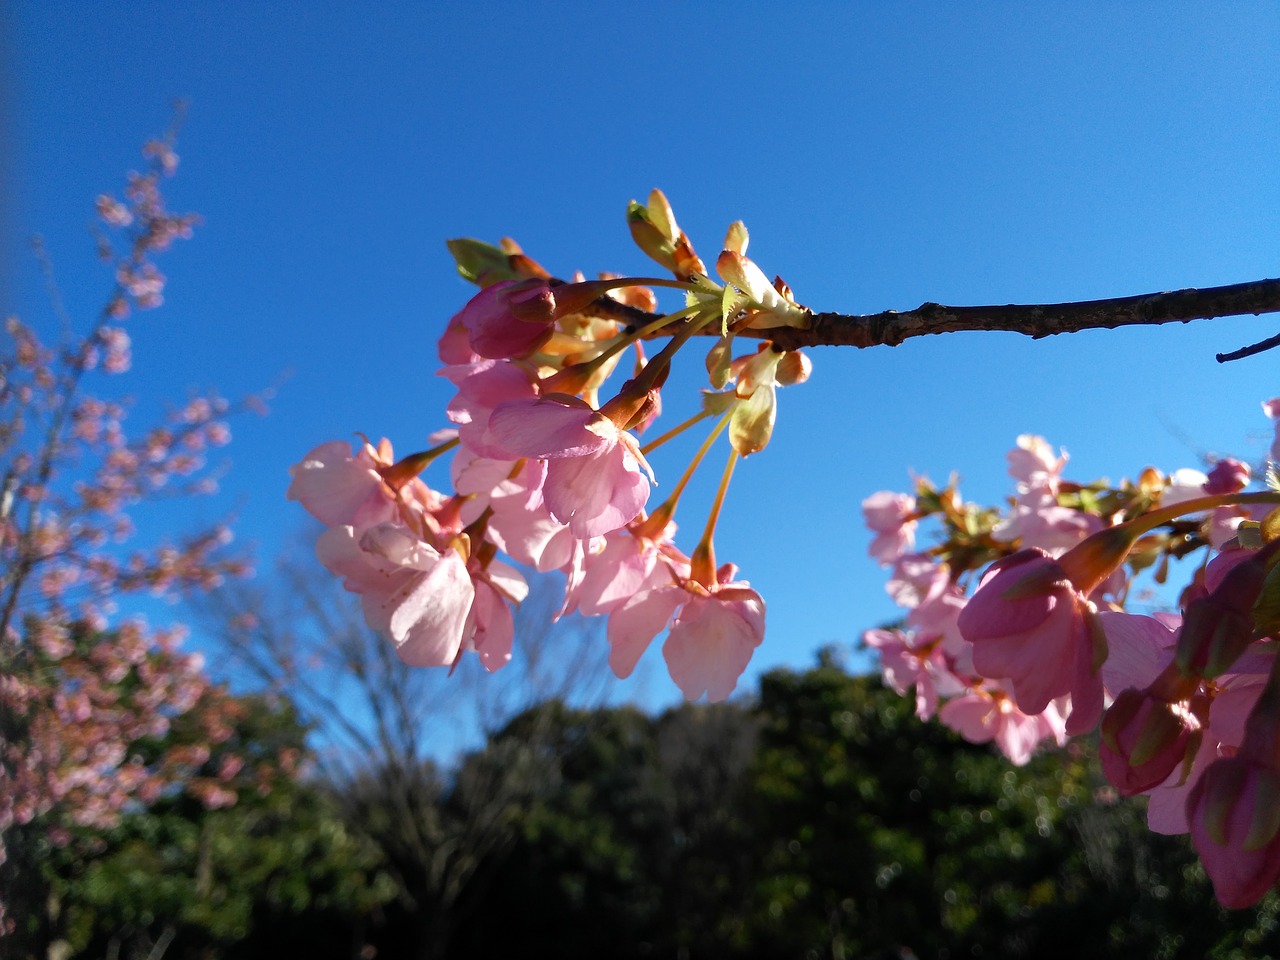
[(1143, 740), (718, 359), (688, 263), (649, 236), (737, 237), (536, 303), (1219, 626), (1096, 557), (794, 367), (1151, 481), (661, 214)]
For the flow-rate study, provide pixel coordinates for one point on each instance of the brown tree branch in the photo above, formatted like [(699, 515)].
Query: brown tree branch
[(1040, 319), (892, 327)]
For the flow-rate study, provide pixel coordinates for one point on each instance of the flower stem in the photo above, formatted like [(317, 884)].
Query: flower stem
[(1149, 521), (703, 566), (675, 432), (658, 520)]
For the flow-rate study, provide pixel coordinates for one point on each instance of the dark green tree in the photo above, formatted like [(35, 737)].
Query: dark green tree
[(882, 836)]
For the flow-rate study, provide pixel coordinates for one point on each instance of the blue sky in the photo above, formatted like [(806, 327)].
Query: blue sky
[(882, 155)]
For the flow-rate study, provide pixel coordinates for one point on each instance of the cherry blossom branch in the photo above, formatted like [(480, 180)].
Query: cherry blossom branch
[(892, 327), (1038, 320)]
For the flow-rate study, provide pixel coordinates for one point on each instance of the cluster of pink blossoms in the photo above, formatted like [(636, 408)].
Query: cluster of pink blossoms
[(99, 716), (1044, 648), (548, 469)]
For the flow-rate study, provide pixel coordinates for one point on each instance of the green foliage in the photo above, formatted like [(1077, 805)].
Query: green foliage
[(892, 837)]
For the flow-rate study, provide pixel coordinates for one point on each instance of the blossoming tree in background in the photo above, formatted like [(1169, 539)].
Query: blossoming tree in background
[(549, 470), (99, 712)]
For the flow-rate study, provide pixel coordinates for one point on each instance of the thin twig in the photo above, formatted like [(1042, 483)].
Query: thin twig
[(1250, 351)]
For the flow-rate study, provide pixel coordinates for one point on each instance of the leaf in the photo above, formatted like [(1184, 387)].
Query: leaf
[(481, 263)]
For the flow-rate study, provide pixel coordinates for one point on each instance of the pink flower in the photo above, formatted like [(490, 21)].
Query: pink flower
[(1034, 466), (1272, 409), (888, 515), (1029, 624), (1227, 476), (908, 663), (337, 488), (712, 637), (711, 642), (417, 596), (986, 714), (490, 627), (519, 524), (1037, 520), (597, 479), (626, 564), (482, 387)]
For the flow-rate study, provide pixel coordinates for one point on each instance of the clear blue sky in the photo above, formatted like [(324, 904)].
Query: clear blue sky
[(882, 155)]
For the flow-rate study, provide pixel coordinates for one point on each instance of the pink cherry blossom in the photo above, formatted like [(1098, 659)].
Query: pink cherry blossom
[(908, 663), (1272, 409), (597, 479), (338, 488), (889, 516), (1037, 520), (518, 521), (1029, 624), (712, 633), (987, 713), (1227, 476), (490, 628), (711, 641), (482, 387), (625, 564), (1033, 465), (419, 597)]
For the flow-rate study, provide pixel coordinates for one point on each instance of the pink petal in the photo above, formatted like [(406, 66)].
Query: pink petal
[(1138, 649), (710, 645), (427, 617), (597, 494), (633, 626), (546, 428)]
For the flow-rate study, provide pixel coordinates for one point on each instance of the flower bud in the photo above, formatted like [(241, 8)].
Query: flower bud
[(1096, 557), (649, 237), (736, 238), (1143, 739), (794, 367), (718, 360), (1219, 626), (1234, 812)]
